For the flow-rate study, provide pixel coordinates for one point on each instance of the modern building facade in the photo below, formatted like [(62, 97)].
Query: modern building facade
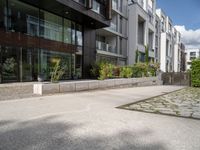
[(183, 58), (141, 28), (34, 34), (157, 38), (166, 42), (178, 50), (111, 42), (191, 54)]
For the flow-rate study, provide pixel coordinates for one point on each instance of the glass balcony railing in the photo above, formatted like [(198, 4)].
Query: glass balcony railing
[(114, 5), (105, 47), (98, 8), (80, 1), (112, 27)]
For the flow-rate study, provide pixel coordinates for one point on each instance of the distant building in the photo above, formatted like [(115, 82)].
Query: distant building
[(177, 50), (166, 53), (190, 55), (183, 58)]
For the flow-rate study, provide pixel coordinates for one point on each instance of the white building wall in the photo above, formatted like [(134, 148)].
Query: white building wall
[(188, 56), (163, 52)]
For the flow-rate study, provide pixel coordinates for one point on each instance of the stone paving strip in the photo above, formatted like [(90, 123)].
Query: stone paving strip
[(182, 103)]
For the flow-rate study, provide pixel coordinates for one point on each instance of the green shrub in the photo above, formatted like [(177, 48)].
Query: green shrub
[(95, 70), (195, 73), (116, 71), (153, 68), (140, 70), (126, 72), (106, 71)]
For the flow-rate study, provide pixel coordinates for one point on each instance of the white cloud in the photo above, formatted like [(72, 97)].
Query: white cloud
[(191, 38)]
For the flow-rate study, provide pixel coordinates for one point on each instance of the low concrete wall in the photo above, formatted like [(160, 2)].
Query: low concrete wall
[(15, 90), (76, 86)]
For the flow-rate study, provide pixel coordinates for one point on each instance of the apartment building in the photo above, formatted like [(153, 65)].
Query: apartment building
[(35, 34), (157, 38), (190, 55), (111, 42), (141, 29), (166, 42), (183, 58), (179, 50)]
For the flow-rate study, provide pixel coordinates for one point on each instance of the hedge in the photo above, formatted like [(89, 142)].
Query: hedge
[(106, 70), (195, 73)]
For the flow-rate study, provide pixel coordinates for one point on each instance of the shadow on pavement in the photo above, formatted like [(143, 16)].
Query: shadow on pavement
[(50, 134)]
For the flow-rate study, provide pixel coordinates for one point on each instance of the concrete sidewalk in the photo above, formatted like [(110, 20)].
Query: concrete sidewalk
[(91, 121)]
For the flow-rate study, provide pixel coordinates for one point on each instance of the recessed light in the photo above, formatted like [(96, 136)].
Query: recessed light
[(67, 12)]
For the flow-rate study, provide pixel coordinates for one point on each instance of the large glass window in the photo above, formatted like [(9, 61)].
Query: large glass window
[(2, 12), (51, 26), (79, 36), (22, 18), (73, 33), (48, 60), (29, 56), (67, 31), (10, 64)]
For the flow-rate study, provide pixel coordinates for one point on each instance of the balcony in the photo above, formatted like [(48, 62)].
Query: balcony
[(113, 27), (114, 5), (99, 8), (83, 2), (150, 9), (105, 47)]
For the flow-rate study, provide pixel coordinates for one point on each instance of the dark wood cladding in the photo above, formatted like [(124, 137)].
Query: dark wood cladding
[(109, 9), (26, 41)]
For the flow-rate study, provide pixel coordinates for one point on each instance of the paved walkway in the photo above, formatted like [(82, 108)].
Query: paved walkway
[(90, 121), (182, 103)]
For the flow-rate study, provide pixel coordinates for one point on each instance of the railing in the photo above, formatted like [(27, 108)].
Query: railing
[(150, 9), (112, 27), (98, 8), (114, 5), (80, 1), (105, 47)]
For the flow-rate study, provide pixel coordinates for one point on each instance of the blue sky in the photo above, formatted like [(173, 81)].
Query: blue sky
[(185, 14), (182, 12)]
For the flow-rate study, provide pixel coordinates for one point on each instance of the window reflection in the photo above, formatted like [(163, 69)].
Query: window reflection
[(50, 26), (67, 31), (29, 55), (22, 18), (79, 40)]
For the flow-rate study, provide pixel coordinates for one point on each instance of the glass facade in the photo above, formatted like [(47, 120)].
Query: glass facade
[(32, 39)]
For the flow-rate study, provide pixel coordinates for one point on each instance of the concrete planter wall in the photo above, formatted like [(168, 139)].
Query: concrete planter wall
[(76, 86)]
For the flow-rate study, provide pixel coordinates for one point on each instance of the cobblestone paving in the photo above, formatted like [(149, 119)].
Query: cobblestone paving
[(183, 103)]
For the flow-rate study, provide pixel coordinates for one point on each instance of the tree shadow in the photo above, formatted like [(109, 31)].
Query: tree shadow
[(51, 134)]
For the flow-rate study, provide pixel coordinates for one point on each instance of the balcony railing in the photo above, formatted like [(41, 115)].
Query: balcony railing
[(99, 8), (83, 2), (150, 9), (105, 47), (114, 5), (112, 27)]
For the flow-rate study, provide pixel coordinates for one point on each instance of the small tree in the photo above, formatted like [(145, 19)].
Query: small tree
[(57, 71), (146, 54)]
